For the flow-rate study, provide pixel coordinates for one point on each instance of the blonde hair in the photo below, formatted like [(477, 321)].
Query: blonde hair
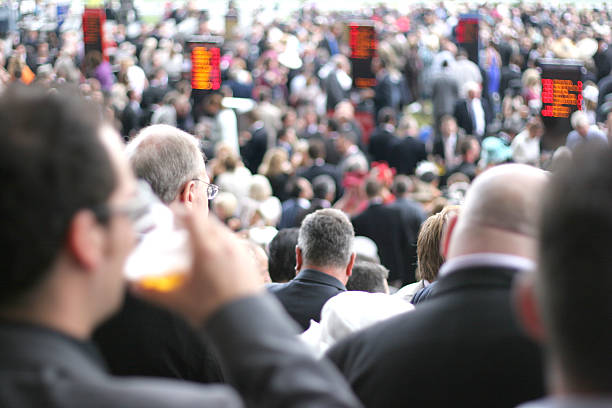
[(273, 160), (429, 257)]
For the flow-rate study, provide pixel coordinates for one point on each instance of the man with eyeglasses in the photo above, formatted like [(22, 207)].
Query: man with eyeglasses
[(143, 339), (68, 217)]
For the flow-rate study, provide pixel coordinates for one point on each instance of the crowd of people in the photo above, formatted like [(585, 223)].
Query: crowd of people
[(414, 242)]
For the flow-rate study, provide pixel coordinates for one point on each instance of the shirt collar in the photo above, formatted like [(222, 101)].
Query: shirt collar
[(486, 259)]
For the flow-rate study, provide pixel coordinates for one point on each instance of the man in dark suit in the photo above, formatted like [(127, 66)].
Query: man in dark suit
[(445, 147), (469, 149), (324, 260), (383, 136), (568, 314), (143, 339), (318, 166), (462, 347), (510, 73), (68, 228), (473, 113), (413, 216), (406, 151), (385, 226), (391, 90)]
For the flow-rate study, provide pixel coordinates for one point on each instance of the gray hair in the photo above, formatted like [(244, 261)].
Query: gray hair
[(167, 158), (579, 118), (326, 238)]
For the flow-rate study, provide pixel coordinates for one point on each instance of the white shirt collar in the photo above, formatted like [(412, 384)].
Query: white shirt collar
[(488, 260)]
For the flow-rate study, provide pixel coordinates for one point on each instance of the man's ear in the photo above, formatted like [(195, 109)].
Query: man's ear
[(447, 232), (349, 267), (187, 195), (298, 259), (85, 240), (526, 306)]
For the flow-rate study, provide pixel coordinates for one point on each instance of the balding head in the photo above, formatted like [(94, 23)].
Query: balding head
[(500, 213)]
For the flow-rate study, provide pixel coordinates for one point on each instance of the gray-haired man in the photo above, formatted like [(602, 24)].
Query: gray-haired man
[(143, 339), (324, 261)]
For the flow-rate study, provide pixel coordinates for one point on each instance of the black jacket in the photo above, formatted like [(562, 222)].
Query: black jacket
[(386, 226), (304, 296), (461, 348)]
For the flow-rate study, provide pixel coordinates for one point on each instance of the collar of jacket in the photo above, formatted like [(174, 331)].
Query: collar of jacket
[(476, 277), (312, 275)]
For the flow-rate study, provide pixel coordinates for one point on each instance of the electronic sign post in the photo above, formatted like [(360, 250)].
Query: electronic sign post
[(93, 30), (561, 96), (466, 34), (205, 63), (362, 40), (205, 57)]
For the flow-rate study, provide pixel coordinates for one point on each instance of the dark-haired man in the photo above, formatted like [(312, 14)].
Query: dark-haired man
[(570, 312), (69, 206), (281, 255), (390, 228)]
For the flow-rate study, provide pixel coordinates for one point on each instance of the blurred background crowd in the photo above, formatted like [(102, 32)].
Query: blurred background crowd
[(289, 133)]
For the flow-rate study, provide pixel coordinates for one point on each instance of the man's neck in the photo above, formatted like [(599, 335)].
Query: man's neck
[(337, 273)]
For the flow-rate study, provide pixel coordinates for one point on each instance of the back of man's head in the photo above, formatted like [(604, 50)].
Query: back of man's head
[(368, 277), (386, 115), (281, 255), (167, 158), (402, 185), (323, 187), (326, 239), (316, 149), (500, 213), (53, 164), (373, 188), (575, 271)]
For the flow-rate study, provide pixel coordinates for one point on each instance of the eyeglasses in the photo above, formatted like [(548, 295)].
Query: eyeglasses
[(135, 208), (211, 189)]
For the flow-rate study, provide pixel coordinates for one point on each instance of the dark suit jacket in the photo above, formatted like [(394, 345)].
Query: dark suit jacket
[(145, 340), (464, 119), (438, 149), (318, 169), (391, 91), (460, 348), (380, 144), (304, 296), (385, 225), (43, 368), (406, 153), (255, 148)]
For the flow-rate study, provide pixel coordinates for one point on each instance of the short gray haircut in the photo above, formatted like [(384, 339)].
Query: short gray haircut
[(326, 238), (167, 158), (579, 118)]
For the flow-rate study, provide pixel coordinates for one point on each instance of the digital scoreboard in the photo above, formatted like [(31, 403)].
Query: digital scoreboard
[(205, 63), (561, 82), (362, 41), (466, 34), (93, 29)]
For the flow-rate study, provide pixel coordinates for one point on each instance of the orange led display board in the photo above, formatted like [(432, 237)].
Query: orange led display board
[(205, 64), (362, 40), (562, 85), (560, 97)]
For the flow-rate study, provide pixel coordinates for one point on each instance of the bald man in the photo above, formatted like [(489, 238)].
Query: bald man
[(462, 347)]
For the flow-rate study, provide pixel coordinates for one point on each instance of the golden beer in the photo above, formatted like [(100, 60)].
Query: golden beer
[(165, 282)]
